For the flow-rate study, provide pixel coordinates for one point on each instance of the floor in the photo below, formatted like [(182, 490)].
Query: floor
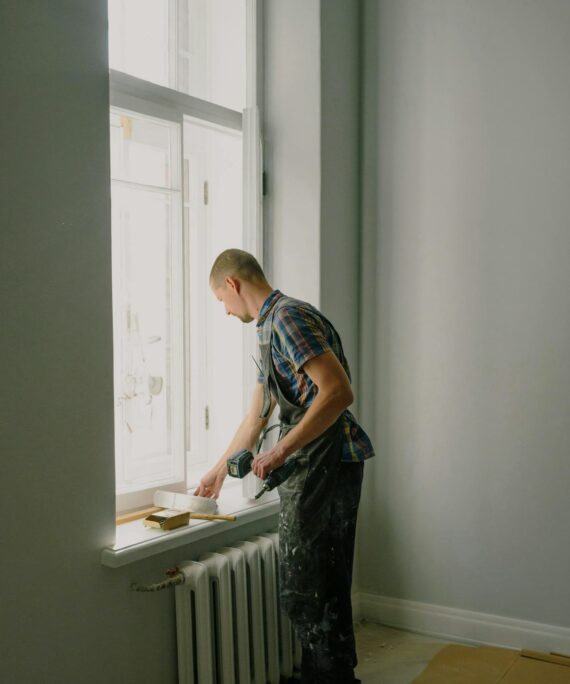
[(392, 656)]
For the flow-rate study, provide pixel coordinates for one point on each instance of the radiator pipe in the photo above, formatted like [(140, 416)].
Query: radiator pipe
[(173, 581)]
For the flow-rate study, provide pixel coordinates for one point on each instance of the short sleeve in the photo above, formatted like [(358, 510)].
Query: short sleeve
[(301, 334)]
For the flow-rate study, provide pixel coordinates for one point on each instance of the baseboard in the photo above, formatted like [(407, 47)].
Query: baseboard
[(356, 608), (465, 626)]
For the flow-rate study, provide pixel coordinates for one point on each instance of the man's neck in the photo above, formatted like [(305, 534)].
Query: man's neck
[(258, 297)]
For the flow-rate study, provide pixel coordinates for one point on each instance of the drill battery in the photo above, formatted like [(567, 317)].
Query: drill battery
[(239, 465)]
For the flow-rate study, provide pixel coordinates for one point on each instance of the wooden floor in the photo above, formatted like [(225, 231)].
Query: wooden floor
[(392, 656)]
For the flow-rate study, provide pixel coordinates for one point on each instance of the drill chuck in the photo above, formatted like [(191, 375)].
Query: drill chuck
[(277, 476)]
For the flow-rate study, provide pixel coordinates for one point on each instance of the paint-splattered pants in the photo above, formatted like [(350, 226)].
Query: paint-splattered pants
[(317, 524)]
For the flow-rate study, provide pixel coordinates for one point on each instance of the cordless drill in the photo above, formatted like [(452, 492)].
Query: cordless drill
[(239, 465)]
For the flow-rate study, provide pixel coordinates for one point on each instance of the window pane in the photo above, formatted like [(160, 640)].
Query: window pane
[(144, 333), (211, 54), (141, 149), (139, 38), (195, 46)]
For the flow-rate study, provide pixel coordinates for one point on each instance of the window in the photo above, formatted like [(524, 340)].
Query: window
[(185, 175), (195, 46), (147, 297)]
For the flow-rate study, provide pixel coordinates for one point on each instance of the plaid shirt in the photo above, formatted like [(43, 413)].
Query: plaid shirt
[(300, 333)]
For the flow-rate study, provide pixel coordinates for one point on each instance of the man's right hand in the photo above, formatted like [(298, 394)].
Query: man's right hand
[(245, 437), (211, 484)]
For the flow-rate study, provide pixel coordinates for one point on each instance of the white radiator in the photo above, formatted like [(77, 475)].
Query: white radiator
[(229, 627)]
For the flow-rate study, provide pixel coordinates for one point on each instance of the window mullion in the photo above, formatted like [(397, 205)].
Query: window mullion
[(178, 300)]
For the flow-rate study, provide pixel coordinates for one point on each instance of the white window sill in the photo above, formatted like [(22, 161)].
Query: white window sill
[(134, 541)]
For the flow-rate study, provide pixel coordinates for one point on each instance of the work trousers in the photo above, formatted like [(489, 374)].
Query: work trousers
[(317, 525)]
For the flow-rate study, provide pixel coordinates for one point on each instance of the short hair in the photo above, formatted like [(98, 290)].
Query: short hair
[(236, 263)]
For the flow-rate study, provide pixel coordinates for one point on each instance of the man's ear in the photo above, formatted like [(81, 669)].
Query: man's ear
[(233, 283)]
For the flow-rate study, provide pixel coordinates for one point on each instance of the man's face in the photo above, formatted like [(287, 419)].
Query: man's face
[(232, 301)]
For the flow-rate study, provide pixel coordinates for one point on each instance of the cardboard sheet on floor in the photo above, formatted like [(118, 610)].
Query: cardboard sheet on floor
[(456, 664)]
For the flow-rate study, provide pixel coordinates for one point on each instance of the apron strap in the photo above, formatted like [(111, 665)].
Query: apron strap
[(263, 435)]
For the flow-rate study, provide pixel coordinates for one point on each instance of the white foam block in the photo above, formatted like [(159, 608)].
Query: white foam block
[(185, 502)]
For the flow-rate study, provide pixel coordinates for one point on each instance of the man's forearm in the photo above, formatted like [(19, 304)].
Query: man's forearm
[(245, 437)]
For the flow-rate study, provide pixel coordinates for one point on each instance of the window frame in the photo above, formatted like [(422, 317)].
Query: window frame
[(134, 94), (177, 298)]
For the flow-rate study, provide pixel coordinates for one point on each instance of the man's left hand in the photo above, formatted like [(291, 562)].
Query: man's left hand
[(266, 461)]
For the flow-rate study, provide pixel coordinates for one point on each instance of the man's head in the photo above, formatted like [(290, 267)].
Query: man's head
[(237, 280)]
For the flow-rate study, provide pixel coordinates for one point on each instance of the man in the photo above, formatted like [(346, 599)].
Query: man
[(305, 372)]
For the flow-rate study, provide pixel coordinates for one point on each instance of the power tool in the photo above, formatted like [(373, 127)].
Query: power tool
[(277, 476), (239, 465)]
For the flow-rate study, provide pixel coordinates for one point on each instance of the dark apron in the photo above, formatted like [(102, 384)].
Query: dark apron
[(317, 523)]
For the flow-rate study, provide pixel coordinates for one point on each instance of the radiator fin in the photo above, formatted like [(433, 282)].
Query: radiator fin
[(229, 627)]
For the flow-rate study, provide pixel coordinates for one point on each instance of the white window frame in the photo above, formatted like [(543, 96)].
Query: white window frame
[(177, 350), (137, 95)]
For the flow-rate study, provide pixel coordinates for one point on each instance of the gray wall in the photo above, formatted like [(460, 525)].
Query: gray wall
[(64, 617), (292, 148), (311, 138), (340, 181), (463, 330), (466, 326)]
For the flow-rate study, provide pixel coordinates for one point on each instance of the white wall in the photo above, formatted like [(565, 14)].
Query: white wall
[(466, 327), (64, 617)]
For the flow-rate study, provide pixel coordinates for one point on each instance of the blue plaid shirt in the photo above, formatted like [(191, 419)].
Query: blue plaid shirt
[(300, 334)]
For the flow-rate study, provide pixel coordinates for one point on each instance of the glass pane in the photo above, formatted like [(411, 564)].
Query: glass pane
[(195, 46), (141, 149), (212, 51), (139, 38), (213, 161), (143, 322)]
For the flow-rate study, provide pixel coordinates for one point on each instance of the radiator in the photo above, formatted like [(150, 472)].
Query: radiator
[(228, 623)]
